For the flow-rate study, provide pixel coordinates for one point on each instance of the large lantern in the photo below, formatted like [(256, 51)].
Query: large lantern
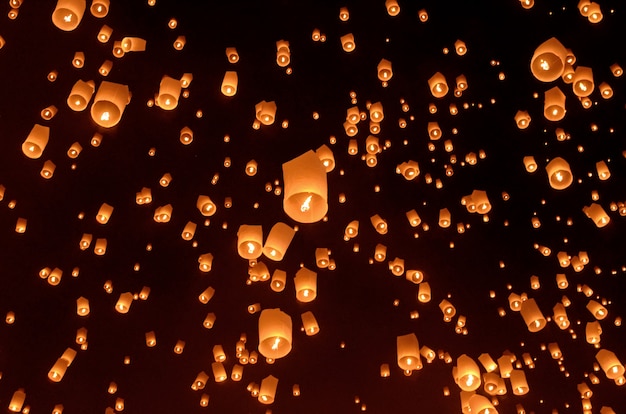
[(68, 14), (535, 321), (548, 61), (109, 104), (306, 285), (274, 333), (468, 373), (36, 141), (306, 191), (408, 352), (250, 241), (559, 173), (609, 363), (278, 241)]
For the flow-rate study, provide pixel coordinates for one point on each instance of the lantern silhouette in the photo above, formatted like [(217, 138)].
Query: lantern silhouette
[(278, 241), (36, 141), (347, 42), (274, 333), (609, 363), (554, 104), (534, 319), (438, 85), (169, 93), (467, 373), (306, 192), (68, 13), (267, 392), (109, 104), (408, 352), (559, 173), (306, 285), (250, 241), (548, 61), (309, 323), (229, 83), (597, 214)]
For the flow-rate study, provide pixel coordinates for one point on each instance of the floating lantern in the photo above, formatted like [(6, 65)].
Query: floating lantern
[(437, 85), (229, 83), (548, 61), (36, 141), (309, 323), (534, 319), (250, 241), (559, 174), (206, 206), (467, 373), (279, 280), (109, 104), (522, 119), (278, 241), (408, 352), (169, 93), (384, 70), (68, 14), (306, 285), (274, 333), (267, 391), (597, 214), (305, 188), (609, 363), (232, 55), (554, 104), (124, 302), (583, 84)]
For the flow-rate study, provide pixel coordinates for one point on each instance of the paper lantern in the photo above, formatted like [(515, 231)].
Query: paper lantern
[(534, 319), (200, 382), (583, 84), (384, 69), (423, 292), (447, 309), (347, 42), (481, 201), (325, 155), (189, 230), (169, 93), (279, 280), (58, 370), (561, 280), (434, 131), (206, 206), (274, 333), (518, 382), (20, 225), (397, 266), (306, 285), (487, 362), (209, 320), (548, 60), (186, 136), (438, 85), (206, 295), (229, 83), (468, 373), (250, 241), (129, 44), (267, 392), (309, 323), (481, 405), (409, 170), (237, 372), (554, 104), (101, 247), (322, 258), (283, 54), (603, 170), (104, 213), (460, 47), (522, 119), (205, 262), (104, 34), (593, 331), (597, 214), (278, 241), (17, 401), (68, 14), (47, 171), (124, 302), (492, 383), (49, 112), (609, 363), (109, 104), (105, 68), (408, 352), (219, 372), (597, 310), (99, 8), (82, 306), (393, 9), (36, 141), (179, 43), (444, 218), (265, 112), (559, 174), (594, 13), (306, 192), (232, 55)]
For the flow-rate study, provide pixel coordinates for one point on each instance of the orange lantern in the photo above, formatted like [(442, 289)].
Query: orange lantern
[(306, 285), (274, 333), (548, 61), (306, 192), (109, 104), (559, 173), (278, 241), (68, 14), (36, 141)]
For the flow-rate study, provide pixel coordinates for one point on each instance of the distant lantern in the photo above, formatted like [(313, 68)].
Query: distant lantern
[(18, 398), (396, 266), (518, 382), (278, 241), (593, 330), (150, 339), (322, 258), (347, 42), (393, 9), (283, 54), (468, 373), (206, 206), (561, 279), (447, 309), (616, 70), (205, 262), (274, 333), (20, 225), (554, 104), (267, 391), (423, 292), (169, 93), (609, 363), (49, 112), (380, 225), (130, 44), (279, 280), (250, 241), (603, 170), (206, 295), (105, 34), (189, 230), (522, 119), (481, 201), (80, 95), (444, 218), (309, 323), (559, 174), (251, 168), (179, 43), (265, 112), (460, 48), (434, 131), (605, 90), (408, 352), (344, 14), (47, 171), (384, 70), (372, 145), (105, 68), (583, 84), (219, 371), (36, 141), (438, 85), (534, 319), (104, 213), (229, 83), (99, 8), (305, 188), (325, 155), (58, 370), (68, 14), (306, 285), (124, 302), (409, 170), (597, 214), (232, 55), (101, 247), (548, 61), (82, 306), (109, 104)]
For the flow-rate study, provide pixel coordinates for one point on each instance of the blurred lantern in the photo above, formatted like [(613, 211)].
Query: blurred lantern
[(393, 9), (19, 396), (47, 171), (101, 247), (206, 295), (597, 310), (105, 68), (415, 276), (561, 280), (385, 72), (219, 372), (460, 48), (603, 170), (99, 8), (548, 61), (209, 320), (583, 84), (306, 192), (309, 323), (232, 55), (169, 93), (283, 54), (423, 293), (609, 363), (444, 218), (534, 319), (518, 382), (278, 241), (132, 44), (200, 382), (180, 42), (150, 339), (274, 333), (481, 405), (189, 230), (267, 391), (559, 174), (229, 83), (597, 214), (554, 104), (306, 285), (434, 131), (409, 170), (376, 112), (594, 13), (82, 306), (250, 241), (408, 352), (68, 14), (555, 350), (397, 266), (481, 201), (437, 85), (237, 372), (322, 258), (606, 91), (447, 309), (593, 330), (380, 252), (347, 42), (58, 370), (36, 141), (467, 373), (20, 225), (109, 104), (49, 112), (379, 224), (79, 60), (616, 70)]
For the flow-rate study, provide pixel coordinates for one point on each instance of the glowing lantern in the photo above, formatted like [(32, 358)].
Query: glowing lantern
[(17, 401), (561, 280), (237, 372), (306, 192), (180, 42), (20, 225), (344, 14), (150, 339), (597, 310), (82, 306), (397, 266), (616, 70), (36, 141), (265, 112), (274, 333), (518, 382), (250, 241), (325, 155), (481, 405), (267, 392), (438, 85), (306, 285), (105, 34), (522, 119), (49, 112), (409, 170), (447, 309), (104, 213), (279, 280), (278, 241), (603, 170), (423, 293), (467, 373), (554, 104), (559, 173), (481, 201), (597, 214), (415, 276), (131, 44), (105, 68), (548, 61), (101, 247), (205, 262), (189, 230), (229, 83), (408, 352), (444, 218), (47, 171), (68, 14), (232, 55), (209, 320), (393, 9), (99, 8), (206, 295), (58, 370), (124, 302), (384, 70), (593, 330), (283, 54), (606, 91), (186, 136), (534, 319), (371, 145), (322, 258), (169, 93), (206, 206), (434, 131), (583, 84), (594, 13), (609, 363), (352, 229), (309, 323), (109, 104), (460, 48)]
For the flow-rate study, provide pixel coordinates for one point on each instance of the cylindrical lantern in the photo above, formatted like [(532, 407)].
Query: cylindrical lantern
[(554, 104), (57, 371), (593, 331), (535, 321), (559, 174), (189, 230), (434, 131), (205, 262), (583, 81), (480, 404), (347, 42), (548, 61), (379, 224), (104, 213), (309, 323), (186, 135), (279, 280), (232, 55), (99, 8), (306, 285), (209, 320), (518, 382), (603, 170), (609, 363), (597, 310), (250, 241), (597, 214), (133, 44), (124, 302), (109, 104), (384, 70), (283, 54), (101, 247), (267, 392), (82, 306), (229, 83), (278, 241), (444, 218), (468, 373), (200, 382), (19, 396), (327, 157), (206, 295), (36, 141), (522, 119), (105, 34), (265, 112), (219, 372), (438, 85), (274, 333), (423, 293), (68, 14), (169, 93), (408, 352), (206, 206), (306, 191)]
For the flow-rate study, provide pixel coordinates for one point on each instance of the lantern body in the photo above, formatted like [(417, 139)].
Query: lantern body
[(583, 84), (109, 104), (559, 174), (327, 157), (265, 112), (206, 206), (278, 241), (535, 321), (306, 285), (609, 363), (104, 213), (274, 333), (597, 214), (518, 382), (124, 302), (480, 404), (279, 279), (347, 42), (306, 191), (385, 71), (548, 61), (229, 83), (133, 44), (438, 85), (68, 14), (57, 371), (408, 352), (249, 241), (554, 104), (36, 141), (169, 93), (267, 392), (17, 401), (468, 373), (309, 323)]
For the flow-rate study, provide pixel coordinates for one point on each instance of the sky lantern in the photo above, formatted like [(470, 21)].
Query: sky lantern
[(250, 241), (229, 83), (68, 13), (278, 241), (559, 174), (554, 104), (534, 319), (522, 119), (274, 333), (306, 285), (480, 404), (597, 214), (36, 141), (309, 323), (467, 373), (169, 93), (438, 85), (267, 391), (609, 363), (408, 352), (265, 112), (384, 70), (305, 188), (109, 104), (548, 60), (17, 400)]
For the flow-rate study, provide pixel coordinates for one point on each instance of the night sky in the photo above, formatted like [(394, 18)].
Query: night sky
[(361, 306)]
